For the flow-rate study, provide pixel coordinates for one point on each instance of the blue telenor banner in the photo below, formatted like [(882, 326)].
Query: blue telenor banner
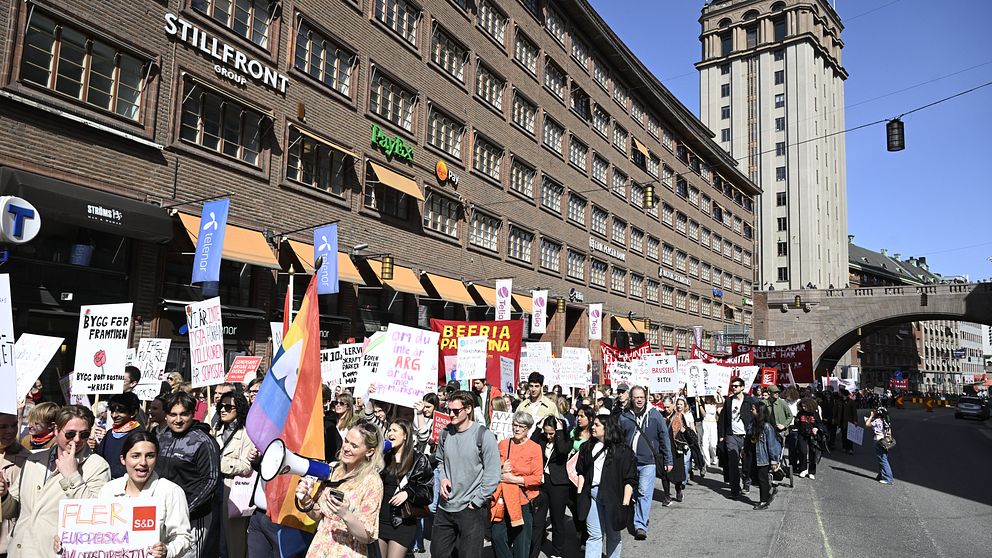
[(325, 245), (210, 241)]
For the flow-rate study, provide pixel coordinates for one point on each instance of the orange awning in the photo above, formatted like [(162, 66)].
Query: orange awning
[(347, 270), (397, 181), (304, 254), (451, 290), (240, 244), (404, 279), (525, 303), (488, 295), (639, 324), (625, 324)]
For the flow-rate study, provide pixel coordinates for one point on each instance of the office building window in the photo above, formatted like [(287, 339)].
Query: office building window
[(525, 52), (84, 68), (636, 195), (524, 113), (620, 138), (654, 164), (445, 133), (704, 238), (551, 194), (248, 18), (725, 90), (704, 272), (553, 134), (636, 286), (725, 112), (780, 174), (391, 101), (779, 54), (680, 260), (576, 265), (668, 215), (484, 231), (601, 75), (694, 267), (724, 69), (554, 79), (783, 223), (667, 254), (619, 232), (487, 157), (653, 290), (783, 248), (636, 240), (779, 77), (780, 149), (489, 86), (577, 209), (637, 111), (323, 60), (653, 128), (316, 164), (492, 20), (220, 124), (578, 153), (550, 255), (783, 274), (725, 134), (618, 280), (738, 254), (580, 52), (620, 94), (518, 244), (747, 261), (694, 230), (600, 120), (387, 201), (667, 294), (448, 54), (522, 178), (780, 124), (441, 215), (681, 222), (779, 100), (780, 199), (653, 245), (619, 183), (693, 304), (599, 168), (680, 299), (666, 176), (599, 217), (748, 231), (751, 36), (580, 102), (555, 24), (400, 16), (597, 273)]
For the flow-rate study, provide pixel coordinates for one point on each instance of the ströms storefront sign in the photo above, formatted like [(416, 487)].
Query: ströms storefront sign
[(391, 146), (236, 64)]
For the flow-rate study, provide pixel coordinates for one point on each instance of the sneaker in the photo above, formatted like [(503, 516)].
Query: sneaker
[(666, 502), (640, 535), (883, 481), (747, 489), (803, 474), (761, 506), (812, 477)]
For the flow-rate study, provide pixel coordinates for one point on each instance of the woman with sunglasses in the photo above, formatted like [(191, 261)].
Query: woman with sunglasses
[(407, 488), (123, 409), (237, 453), (347, 508), (518, 487), (67, 470), (556, 447), (343, 411)]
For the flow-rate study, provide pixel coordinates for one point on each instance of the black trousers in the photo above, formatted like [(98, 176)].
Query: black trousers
[(263, 536), (564, 540), (459, 533), (735, 452), (761, 478)]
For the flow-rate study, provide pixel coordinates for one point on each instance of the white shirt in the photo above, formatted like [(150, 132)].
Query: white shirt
[(597, 465), (736, 423)]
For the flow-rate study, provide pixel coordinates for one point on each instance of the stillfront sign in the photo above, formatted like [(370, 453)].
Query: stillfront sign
[(391, 146)]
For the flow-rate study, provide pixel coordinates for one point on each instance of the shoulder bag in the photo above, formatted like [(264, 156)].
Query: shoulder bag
[(888, 442)]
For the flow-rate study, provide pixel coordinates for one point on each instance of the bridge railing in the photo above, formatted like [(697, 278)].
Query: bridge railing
[(787, 297)]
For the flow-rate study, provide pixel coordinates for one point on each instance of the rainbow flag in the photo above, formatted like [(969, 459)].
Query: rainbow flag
[(289, 406)]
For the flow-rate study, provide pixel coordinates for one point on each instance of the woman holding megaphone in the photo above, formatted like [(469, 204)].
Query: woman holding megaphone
[(347, 506)]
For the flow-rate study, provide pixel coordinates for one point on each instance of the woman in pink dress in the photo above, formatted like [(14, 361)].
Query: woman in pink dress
[(347, 507)]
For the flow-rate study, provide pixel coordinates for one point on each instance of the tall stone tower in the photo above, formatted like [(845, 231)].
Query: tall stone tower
[(771, 88)]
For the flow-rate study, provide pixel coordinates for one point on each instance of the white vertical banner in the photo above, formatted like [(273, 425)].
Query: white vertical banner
[(539, 319), (8, 370), (101, 348), (504, 290), (206, 342), (595, 321)]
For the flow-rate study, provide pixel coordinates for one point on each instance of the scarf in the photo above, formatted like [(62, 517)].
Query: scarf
[(677, 424), (38, 442), (126, 427)]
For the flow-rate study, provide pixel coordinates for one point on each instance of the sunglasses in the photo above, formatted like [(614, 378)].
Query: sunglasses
[(340, 403), (118, 409), (225, 407), (71, 434), (455, 411)]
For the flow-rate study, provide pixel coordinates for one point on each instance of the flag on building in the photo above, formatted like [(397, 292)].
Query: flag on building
[(289, 406)]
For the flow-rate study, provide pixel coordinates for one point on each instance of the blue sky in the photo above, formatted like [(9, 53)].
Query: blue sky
[(932, 199)]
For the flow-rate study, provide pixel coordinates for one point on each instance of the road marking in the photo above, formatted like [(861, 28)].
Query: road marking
[(823, 532)]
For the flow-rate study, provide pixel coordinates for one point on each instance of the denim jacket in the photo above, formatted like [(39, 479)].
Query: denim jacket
[(767, 448)]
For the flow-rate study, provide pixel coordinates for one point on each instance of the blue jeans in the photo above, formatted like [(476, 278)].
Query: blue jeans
[(645, 493), (598, 531), (437, 490), (883, 462)]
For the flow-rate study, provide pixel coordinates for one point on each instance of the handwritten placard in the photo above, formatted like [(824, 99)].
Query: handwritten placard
[(8, 361), (506, 373), (663, 373), (32, 354), (471, 364), (330, 367), (502, 424), (101, 348), (206, 342), (575, 372), (108, 526), (373, 350), (404, 369), (441, 421), (243, 369), (151, 357), (65, 382)]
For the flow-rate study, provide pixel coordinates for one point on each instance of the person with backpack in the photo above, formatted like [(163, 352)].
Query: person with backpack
[(645, 431), (469, 461)]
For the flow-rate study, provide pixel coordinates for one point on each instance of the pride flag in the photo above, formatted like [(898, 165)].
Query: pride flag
[(289, 406)]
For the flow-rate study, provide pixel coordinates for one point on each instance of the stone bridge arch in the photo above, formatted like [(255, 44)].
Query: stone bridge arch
[(835, 319)]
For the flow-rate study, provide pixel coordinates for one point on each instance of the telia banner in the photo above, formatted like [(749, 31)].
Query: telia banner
[(210, 241), (539, 319), (595, 321), (504, 290), (325, 245)]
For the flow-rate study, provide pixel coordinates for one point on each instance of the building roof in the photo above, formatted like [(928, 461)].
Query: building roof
[(911, 271)]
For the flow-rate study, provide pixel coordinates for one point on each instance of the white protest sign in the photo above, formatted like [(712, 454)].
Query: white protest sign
[(539, 319), (716, 378), (101, 348), (506, 373), (557, 366), (471, 358), (374, 349), (622, 373), (404, 369), (536, 357), (640, 373), (108, 526), (206, 342), (330, 366), (275, 330), (151, 358), (502, 425), (855, 433), (351, 361), (65, 382), (747, 374), (131, 353), (147, 390), (576, 372), (32, 354), (8, 366), (693, 376), (663, 373)]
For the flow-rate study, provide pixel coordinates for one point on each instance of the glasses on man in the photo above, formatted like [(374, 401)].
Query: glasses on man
[(117, 409), (738, 386), (455, 410), (71, 434), (520, 426)]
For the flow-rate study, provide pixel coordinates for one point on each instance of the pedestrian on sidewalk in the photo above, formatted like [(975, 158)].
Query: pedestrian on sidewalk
[(767, 453), (882, 425)]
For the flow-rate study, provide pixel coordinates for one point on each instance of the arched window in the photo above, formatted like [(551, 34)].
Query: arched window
[(751, 15), (778, 6), (724, 23)]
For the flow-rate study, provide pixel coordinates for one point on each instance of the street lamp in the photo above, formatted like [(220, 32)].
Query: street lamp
[(895, 135), (561, 304)]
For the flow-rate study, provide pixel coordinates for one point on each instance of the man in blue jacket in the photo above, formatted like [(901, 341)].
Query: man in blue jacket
[(647, 433)]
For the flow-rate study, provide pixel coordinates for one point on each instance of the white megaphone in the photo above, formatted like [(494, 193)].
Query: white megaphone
[(277, 460)]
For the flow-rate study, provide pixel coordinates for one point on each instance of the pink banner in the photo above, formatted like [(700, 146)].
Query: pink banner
[(612, 355)]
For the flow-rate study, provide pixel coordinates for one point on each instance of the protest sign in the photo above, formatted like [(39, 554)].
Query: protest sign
[(243, 369), (640, 374), (101, 348), (716, 379), (570, 468), (239, 498), (663, 373), (502, 425), (622, 372), (151, 358), (536, 357), (855, 433), (769, 377), (330, 367), (575, 371), (441, 421), (506, 374), (147, 390), (612, 355), (351, 361), (372, 350), (65, 382), (403, 370), (471, 359), (206, 342), (107, 526), (694, 383), (32, 353), (129, 359), (504, 340), (275, 330)]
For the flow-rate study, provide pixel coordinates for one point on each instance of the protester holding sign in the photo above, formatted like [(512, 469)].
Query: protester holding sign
[(123, 408), (12, 459), (67, 470), (139, 455), (236, 456)]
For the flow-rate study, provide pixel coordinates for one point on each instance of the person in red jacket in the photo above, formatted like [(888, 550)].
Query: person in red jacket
[(520, 483)]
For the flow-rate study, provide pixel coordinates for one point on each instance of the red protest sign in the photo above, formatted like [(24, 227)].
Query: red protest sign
[(504, 341), (241, 367), (769, 376), (612, 355), (441, 420)]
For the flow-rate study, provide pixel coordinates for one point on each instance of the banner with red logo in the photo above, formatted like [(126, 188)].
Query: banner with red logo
[(504, 341), (769, 377), (798, 355), (612, 355)]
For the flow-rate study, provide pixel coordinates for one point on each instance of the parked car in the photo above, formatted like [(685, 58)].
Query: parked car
[(974, 407)]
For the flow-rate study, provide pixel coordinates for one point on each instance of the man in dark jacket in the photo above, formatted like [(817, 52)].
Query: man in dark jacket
[(646, 432), (189, 457), (845, 413), (735, 423)]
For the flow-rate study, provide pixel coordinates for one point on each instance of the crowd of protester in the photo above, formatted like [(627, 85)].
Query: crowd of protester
[(579, 469)]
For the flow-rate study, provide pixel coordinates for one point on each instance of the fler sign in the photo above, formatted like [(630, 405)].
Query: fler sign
[(20, 222)]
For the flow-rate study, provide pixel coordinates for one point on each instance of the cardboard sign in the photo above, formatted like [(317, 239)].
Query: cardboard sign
[(351, 362), (373, 349), (101, 348), (330, 367), (243, 369), (575, 371), (147, 390), (151, 357), (239, 499), (441, 421), (405, 367), (275, 331), (855, 433), (502, 425), (108, 526), (65, 382), (32, 353), (506, 374), (663, 373), (536, 357), (504, 340), (206, 342), (694, 385), (612, 355), (471, 359), (622, 373)]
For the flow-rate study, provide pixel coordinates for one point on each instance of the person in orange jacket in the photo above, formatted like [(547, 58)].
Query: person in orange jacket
[(519, 484)]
